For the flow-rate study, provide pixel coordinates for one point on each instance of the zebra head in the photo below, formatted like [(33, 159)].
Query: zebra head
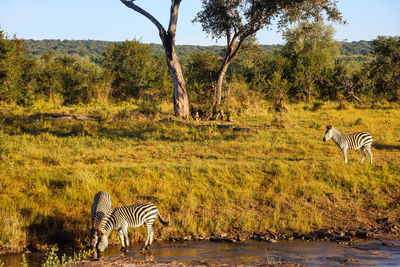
[(103, 242), (328, 133)]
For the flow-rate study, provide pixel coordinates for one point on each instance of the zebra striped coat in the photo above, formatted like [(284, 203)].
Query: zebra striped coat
[(122, 218), (100, 208), (352, 141)]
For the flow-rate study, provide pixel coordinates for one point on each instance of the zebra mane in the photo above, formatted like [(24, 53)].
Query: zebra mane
[(330, 127)]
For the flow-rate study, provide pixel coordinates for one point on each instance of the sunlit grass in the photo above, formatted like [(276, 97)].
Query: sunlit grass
[(278, 176)]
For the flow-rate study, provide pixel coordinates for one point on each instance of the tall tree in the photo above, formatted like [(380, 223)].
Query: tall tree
[(237, 20), (15, 71), (181, 100), (386, 67), (311, 50), (131, 66)]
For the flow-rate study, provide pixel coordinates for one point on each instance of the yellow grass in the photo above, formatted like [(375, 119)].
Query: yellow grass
[(278, 176)]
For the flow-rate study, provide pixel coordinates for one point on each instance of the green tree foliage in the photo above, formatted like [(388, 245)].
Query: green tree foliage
[(308, 66), (132, 69), (70, 79), (48, 84), (386, 67), (82, 80), (257, 66), (346, 81), (91, 48), (277, 90), (15, 71), (201, 71), (311, 51), (249, 61), (162, 87), (239, 21)]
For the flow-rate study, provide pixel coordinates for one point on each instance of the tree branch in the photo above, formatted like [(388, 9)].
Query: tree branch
[(138, 9), (173, 21), (237, 48)]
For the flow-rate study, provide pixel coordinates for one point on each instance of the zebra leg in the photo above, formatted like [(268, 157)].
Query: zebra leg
[(150, 234), (363, 154), (125, 231), (344, 151), (151, 237), (370, 154), (121, 236)]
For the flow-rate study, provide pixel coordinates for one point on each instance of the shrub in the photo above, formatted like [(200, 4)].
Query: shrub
[(148, 106), (343, 105), (317, 106), (359, 121)]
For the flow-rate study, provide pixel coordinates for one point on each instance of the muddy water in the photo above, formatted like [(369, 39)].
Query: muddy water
[(366, 253)]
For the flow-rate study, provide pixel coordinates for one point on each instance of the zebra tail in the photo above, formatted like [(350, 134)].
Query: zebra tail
[(162, 220)]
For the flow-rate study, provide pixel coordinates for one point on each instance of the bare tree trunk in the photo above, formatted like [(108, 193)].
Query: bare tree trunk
[(181, 100), (221, 78), (232, 50), (309, 89)]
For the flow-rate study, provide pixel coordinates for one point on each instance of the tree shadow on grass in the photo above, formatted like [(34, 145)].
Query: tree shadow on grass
[(52, 230), (381, 146), (161, 130)]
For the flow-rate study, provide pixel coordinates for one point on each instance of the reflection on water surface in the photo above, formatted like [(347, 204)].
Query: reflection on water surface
[(366, 253)]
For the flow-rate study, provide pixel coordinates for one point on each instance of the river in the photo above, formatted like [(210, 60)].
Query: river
[(323, 253)]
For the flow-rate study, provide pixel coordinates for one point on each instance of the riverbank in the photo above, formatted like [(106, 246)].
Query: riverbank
[(251, 253), (276, 177)]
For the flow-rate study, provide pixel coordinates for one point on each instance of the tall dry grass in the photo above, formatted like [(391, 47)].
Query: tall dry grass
[(279, 176)]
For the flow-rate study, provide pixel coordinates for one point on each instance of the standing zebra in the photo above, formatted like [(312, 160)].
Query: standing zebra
[(122, 218), (352, 141), (100, 208)]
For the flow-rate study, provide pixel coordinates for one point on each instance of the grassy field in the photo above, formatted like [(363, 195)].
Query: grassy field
[(278, 176)]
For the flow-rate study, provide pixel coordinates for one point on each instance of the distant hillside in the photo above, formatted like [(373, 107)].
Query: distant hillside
[(356, 48), (94, 49)]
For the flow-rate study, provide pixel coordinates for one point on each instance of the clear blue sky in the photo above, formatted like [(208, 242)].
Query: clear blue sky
[(112, 21)]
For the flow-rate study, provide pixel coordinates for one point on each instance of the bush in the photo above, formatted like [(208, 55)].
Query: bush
[(343, 105), (148, 106), (200, 73), (131, 67), (317, 106)]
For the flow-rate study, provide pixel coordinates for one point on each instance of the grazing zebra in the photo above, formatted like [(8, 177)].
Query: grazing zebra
[(122, 218), (100, 208), (353, 141)]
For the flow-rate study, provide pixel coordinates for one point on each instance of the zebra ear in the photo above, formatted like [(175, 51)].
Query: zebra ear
[(328, 127)]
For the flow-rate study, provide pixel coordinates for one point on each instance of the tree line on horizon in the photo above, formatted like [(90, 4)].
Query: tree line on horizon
[(310, 66), (355, 50)]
